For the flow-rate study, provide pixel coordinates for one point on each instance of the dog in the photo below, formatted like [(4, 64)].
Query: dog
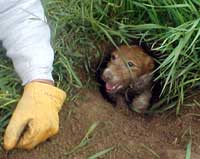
[(127, 77)]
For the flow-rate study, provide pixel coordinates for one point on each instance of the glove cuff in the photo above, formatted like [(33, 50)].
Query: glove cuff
[(55, 94)]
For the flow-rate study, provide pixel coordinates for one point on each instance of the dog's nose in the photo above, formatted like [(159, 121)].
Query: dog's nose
[(107, 75)]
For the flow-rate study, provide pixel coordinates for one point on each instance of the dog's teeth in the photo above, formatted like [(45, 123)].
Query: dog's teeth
[(120, 86), (115, 87)]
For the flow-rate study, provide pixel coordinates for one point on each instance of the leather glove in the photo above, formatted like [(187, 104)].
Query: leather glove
[(36, 116)]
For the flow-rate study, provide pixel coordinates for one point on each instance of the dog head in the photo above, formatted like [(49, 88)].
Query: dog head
[(127, 64)]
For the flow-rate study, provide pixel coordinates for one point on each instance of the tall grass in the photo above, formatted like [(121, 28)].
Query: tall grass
[(170, 28), (9, 90)]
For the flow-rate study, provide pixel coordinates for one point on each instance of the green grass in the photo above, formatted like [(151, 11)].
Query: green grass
[(101, 154), (170, 28), (149, 150), (9, 91), (85, 141), (79, 27)]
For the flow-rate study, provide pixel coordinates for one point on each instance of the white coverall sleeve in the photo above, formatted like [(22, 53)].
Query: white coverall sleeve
[(26, 37)]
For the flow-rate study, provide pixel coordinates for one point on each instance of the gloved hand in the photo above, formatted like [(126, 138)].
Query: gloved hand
[(36, 116)]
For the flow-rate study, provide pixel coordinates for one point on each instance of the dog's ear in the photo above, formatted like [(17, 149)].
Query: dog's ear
[(148, 65), (143, 82)]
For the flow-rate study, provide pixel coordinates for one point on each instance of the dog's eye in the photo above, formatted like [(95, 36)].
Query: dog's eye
[(130, 64), (113, 56)]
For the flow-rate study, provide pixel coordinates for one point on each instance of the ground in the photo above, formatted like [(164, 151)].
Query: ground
[(128, 135)]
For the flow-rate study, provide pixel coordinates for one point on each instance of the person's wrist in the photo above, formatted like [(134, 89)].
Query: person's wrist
[(50, 82)]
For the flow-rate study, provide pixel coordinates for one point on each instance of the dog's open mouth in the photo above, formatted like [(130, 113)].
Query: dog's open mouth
[(112, 88)]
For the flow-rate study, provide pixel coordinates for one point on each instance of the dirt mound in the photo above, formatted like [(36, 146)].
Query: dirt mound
[(128, 135)]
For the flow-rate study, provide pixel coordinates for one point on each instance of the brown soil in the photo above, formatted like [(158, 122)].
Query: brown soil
[(133, 136)]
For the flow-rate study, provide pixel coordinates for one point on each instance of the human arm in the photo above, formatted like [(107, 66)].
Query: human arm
[(26, 37)]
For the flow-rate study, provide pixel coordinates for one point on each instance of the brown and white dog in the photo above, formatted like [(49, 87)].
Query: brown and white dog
[(127, 77)]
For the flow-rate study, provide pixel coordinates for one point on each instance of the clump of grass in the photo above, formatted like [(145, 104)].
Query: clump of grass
[(170, 28), (85, 141), (9, 91)]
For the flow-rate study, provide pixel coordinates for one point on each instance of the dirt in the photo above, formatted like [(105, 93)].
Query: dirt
[(131, 135)]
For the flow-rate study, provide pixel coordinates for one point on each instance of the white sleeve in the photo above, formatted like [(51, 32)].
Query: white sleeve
[(26, 37)]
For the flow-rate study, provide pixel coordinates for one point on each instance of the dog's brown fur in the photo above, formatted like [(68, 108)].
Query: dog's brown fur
[(128, 75)]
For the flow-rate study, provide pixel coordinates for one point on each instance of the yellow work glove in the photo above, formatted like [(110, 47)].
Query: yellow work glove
[(36, 116)]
